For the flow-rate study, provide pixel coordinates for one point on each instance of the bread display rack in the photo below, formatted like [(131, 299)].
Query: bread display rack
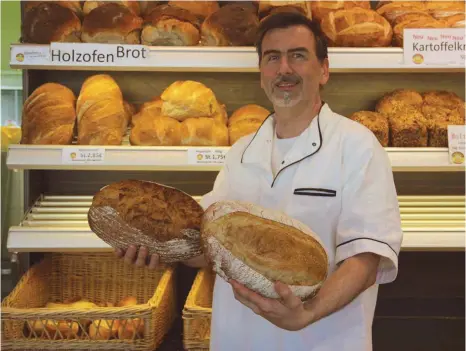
[(58, 193)]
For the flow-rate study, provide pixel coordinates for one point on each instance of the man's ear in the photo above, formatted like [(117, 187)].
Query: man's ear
[(325, 72)]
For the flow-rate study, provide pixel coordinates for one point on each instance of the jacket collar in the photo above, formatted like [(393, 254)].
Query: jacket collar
[(259, 150)]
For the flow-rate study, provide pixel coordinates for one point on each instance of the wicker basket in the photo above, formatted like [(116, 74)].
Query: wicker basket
[(197, 312), (99, 278)]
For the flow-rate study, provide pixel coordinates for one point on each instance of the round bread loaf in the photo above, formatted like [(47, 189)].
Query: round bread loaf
[(132, 212), (257, 246)]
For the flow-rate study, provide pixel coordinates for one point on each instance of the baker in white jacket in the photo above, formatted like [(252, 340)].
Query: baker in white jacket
[(324, 170)]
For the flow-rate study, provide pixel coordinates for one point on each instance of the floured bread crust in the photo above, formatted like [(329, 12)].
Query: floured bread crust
[(257, 247), (141, 213)]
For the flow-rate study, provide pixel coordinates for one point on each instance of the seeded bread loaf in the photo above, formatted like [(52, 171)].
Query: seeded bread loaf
[(376, 123)]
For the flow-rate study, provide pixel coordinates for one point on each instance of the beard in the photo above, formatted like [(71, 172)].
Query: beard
[(285, 98)]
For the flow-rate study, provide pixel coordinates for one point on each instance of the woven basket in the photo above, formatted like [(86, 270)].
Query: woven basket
[(99, 278), (197, 312)]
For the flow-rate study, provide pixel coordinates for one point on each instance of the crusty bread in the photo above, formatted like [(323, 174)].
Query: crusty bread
[(155, 130), (188, 99), (445, 99), (170, 25), (258, 246), (376, 123), (231, 25), (413, 20), (408, 128), (49, 116), (164, 219), (320, 8), (91, 5), (102, 116), (147, 6), (201, 9), (113, 24), (455, 21), (356, 27), (75, 6), (268, 7), (49, 22), (392, 9), (203, 131), (445, 9), (398, 100), (246, 120)]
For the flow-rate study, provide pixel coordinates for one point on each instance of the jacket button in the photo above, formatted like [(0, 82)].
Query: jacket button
[(314, 144), (283, 162)]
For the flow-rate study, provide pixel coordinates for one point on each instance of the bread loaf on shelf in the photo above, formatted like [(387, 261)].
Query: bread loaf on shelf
[(413, 20), (356, 27), (451, 13), (268, 7), (246, 120), (170, 25), (91, 5), (113, 24), (49, 22), (49, 116), (392, 9), (188, 99), (203, 131), (408, 128), (155, 130), (75, 6), (397, 100), (102, 118), (376, 123), (201, 9), (231, 25), (164, 219), (257, 247), (320, 8)]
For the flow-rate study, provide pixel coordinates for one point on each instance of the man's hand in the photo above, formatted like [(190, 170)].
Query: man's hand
[(138, 258), (286, 313)]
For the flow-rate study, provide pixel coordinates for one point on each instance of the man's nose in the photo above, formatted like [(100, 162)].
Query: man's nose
[(284, 67)]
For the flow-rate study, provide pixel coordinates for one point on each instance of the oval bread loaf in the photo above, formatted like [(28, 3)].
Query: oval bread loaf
[(141, 213), (257, 246)]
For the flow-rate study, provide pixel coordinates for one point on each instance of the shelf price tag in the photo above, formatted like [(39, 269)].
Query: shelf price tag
[(91, 54), (206, 156), (424, 47), (456, 144), (83, 156)]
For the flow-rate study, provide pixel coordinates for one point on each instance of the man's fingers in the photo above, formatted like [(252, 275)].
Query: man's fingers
[(119, 253), (261, 304), (246, 303), (154, 261), (130, 254), (288, 298), (141, 259)]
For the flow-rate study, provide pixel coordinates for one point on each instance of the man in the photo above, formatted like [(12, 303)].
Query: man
[(324, 170)]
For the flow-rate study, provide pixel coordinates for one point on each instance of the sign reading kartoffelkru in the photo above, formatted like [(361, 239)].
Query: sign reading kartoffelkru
[(98, 54), (444, 46)]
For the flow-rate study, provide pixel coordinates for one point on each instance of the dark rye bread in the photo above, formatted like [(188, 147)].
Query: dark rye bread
[(133, 212)]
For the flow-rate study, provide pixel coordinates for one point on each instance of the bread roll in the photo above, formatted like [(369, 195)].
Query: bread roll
[(127, 301), (153, 106), (201, 9), (75, 6), (62, 329), (376, 123), (104, 329), (257, 246), (131, 329), (268, 7), (147, 6), (397, 100), (412, 20), (356, 27), (49, 22), (246, 120), (113, 24), (231, 25), (320, 8), (91, 5), (187, 99), (102, 116), (49, 116), (203, 131), (164, 219), (392, 9), (169, 25)]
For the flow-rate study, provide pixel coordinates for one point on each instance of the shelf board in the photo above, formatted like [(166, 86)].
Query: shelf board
[(226, 59), (65, 227), (135, 158)]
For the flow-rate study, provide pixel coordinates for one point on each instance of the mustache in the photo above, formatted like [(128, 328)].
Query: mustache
[(287, 79)]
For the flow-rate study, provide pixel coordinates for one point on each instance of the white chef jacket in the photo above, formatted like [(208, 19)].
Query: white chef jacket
[(337, 179)]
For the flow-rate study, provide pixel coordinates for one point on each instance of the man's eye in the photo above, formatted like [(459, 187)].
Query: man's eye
[(273, 58), (297, 55)]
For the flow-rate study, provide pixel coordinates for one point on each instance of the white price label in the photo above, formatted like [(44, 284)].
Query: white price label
[(206, 156), (85, 54), (456, 144), (423, 47), (83, 156), (29, 54)]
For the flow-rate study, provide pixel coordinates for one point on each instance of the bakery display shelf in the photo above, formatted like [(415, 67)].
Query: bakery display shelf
[(140, 158), (223, 59), (59, 223)]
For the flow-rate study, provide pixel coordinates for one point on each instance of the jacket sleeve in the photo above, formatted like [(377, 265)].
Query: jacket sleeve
[(370, 216)]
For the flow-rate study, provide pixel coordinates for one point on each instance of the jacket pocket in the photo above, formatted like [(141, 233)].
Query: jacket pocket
[(315, 192)]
